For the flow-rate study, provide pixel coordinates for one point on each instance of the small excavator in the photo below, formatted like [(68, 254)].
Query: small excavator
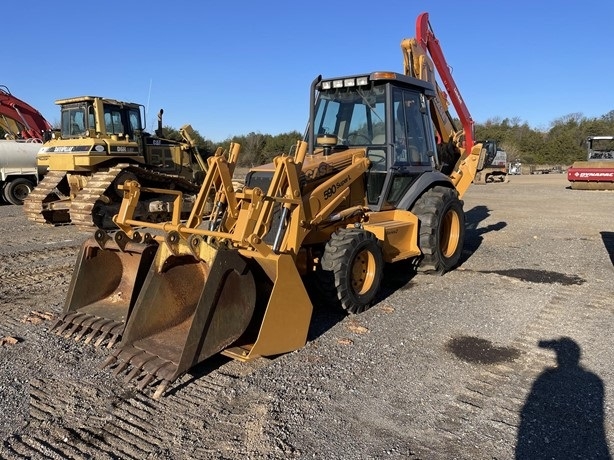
[(494, 169), (367, 185)]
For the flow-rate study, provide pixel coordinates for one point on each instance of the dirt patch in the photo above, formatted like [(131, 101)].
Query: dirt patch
[(388, 383)]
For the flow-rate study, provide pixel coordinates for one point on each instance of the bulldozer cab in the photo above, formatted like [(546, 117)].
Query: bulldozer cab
[(87, 116), (122, 125), (387, 114)]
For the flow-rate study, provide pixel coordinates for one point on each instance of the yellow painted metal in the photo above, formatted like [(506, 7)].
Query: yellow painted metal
[(450, 233), (287, 316), (397, 230), (464, 173)]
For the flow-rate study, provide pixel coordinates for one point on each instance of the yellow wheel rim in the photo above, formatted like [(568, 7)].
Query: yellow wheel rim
[(449, 234), (363, 272)]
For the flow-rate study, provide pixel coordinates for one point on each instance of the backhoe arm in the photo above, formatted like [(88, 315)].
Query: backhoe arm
[(420, 65)]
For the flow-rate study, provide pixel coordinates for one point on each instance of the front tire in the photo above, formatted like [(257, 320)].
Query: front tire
[(442, 229), (16, 191), (352, 269)]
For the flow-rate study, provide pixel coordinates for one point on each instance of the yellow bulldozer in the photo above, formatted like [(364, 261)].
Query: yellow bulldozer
[(101, 144), (365, 187)]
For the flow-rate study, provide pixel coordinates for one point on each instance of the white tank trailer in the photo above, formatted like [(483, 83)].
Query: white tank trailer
[(19, 172)]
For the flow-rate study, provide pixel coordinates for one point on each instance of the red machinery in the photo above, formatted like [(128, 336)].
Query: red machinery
[(426, 38), (25, 130), (19, 119), (597, 172)]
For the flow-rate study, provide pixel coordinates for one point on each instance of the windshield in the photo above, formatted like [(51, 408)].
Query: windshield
[(355, 115), (74, 120), (601, 149)]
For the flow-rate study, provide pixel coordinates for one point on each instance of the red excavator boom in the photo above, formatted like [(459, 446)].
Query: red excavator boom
[(428, 41), (19, 119)]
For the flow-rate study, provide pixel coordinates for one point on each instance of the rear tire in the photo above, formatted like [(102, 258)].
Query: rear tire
[(442, 229), (352, 269), (16, 191)]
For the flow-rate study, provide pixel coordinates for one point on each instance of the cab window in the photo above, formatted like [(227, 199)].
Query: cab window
[(410, 128), (113, 120)]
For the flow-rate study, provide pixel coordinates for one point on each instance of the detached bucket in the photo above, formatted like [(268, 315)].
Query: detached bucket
[(104, 287), (187, 311)]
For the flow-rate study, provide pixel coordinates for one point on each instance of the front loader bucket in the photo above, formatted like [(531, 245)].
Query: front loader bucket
[(105, 284), (187, 311), (242, 304)]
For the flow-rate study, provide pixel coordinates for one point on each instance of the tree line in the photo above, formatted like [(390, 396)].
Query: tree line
[(562, 144)]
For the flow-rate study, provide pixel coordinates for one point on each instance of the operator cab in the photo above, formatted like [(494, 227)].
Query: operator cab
[(387, 114), (600, 147), (80, 117)]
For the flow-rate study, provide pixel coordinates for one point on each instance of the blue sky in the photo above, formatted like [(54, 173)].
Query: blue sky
[(235, 67)]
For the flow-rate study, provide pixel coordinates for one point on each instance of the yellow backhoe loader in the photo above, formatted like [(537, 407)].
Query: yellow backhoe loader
[(365, 187)]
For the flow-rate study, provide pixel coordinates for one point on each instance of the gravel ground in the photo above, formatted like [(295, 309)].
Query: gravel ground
[(505, 357)]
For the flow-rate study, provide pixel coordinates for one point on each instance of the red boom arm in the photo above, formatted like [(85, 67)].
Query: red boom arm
[(426, 37), (31, 123)]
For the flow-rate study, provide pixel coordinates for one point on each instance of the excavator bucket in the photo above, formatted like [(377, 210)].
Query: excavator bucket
[(105, 284), (191, 308)]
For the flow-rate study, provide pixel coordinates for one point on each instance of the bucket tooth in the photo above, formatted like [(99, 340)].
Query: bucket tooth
[(156, 367), (75, 326), (101, 338), (90, 336), (105, 284), (65, 322), (167, 372), (115, 337), (134, 372), (124, 357), (138, 362), (85, 327), (55, 325), (110, 361), (96, 328), (145, 380), (161, 389), (120, 367)]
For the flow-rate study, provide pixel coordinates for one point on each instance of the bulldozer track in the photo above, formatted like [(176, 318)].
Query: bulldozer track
[(16, 265), (33, 204), (129, 425), (31, 276), (82, 207)]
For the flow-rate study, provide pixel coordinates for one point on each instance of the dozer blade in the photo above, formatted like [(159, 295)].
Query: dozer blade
[(187, 311), (105, 284)]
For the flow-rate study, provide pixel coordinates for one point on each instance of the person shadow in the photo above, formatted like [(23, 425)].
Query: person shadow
[(563, 416), (608, 242)]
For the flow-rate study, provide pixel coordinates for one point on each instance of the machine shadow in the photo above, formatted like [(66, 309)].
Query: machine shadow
[(608, 243), (473, 234), (563, 415)]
